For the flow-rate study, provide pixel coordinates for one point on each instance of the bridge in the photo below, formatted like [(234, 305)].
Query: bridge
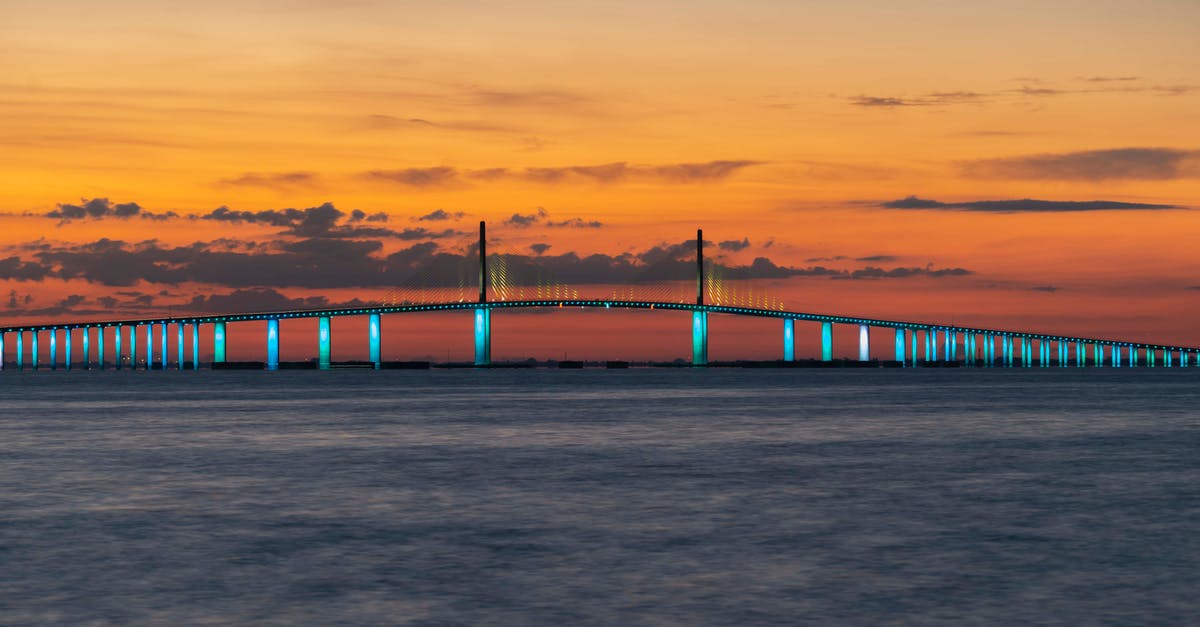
[(915, 343)]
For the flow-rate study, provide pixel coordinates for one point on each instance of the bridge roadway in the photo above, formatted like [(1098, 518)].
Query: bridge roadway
[(946, 339)]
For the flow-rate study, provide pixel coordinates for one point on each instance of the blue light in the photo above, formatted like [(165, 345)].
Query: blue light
[(374, 340), (272, 344)]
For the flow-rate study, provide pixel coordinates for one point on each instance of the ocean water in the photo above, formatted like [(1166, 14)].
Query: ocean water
[(676, 497)]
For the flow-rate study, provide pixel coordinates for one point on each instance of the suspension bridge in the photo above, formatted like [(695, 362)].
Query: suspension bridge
[(915, 343)]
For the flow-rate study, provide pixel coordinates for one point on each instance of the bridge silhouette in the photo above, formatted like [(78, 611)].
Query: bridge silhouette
[(915, 343)]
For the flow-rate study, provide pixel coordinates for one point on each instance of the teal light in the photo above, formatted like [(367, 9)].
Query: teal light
[(699, 338), (826, 341), (218, 342), (900, 345), (195, 346), (374, 340), (323, 345), (179, 341), (272, 344), (150, 346), (789, 339), (33, 349), (53, 349), (20, 350), (483, 336)]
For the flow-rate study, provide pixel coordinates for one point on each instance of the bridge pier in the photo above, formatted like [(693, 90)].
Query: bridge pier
[(273, 344), (789, 339), (218, 342), (150, 346), (323, 357), (87, 331), (2, 351), (133, 347), (162, 339), (1167, 357), (180, 347), (826, 341), (900, 345), (33, 345), (699, 338), (930, 344), (54, 349), (117, 347), (195, 346), (374, 341), (483, 336), (20, 350), (67, 348), (950, 338), (864, 342), (100, 348)]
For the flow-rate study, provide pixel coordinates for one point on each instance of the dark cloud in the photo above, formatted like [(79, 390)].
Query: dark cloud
[(262, 299), (438, 215), (542, 217), (878, 258), (1044, 288), (880, 101), (14, 269), (929, 99), (1025, 205), (324, 221), (1093, 165), (321, 263), (440, 176), (734, 245), (273, 180), (98, 208), (359, 215), (539, 249), (1109, 79), (607, 173)]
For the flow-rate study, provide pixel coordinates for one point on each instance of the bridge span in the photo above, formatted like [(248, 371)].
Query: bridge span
[(915, 342)]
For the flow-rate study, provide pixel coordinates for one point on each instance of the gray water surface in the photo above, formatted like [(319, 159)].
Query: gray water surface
[(600, 497)]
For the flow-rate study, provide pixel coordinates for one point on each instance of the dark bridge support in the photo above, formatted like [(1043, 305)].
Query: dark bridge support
[(826, 341), (789, 339), (483, 336)]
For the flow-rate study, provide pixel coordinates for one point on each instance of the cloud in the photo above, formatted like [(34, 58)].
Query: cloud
[(1093, 165), (323, 263), (930, 99), (325, 221), (880, 101), (98, 208), (358, 216), (1109, 79), (878, 258), (14, 269), (1044, 288), (604, 174), (734, 245), (438, 176), (542, 217), (1025, 205), (438, 215), (272, 180), (261, 299)]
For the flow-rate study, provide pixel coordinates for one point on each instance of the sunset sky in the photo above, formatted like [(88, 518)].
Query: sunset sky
[(872, 158)]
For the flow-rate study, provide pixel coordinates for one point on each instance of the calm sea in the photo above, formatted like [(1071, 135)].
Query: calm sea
[(684, 497)]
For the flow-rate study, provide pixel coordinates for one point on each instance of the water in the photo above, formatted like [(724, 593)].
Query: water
[(600, 497)]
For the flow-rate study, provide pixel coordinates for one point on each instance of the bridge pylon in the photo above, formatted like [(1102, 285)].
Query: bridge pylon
[(483, 314)]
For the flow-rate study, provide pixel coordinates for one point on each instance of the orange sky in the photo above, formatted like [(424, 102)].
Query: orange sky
[(787, 126)]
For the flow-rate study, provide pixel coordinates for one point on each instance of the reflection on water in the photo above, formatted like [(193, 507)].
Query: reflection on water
[(638, 496)]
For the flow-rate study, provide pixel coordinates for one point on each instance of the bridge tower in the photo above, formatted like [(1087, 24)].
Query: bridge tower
[(700, 317), (483, 315)]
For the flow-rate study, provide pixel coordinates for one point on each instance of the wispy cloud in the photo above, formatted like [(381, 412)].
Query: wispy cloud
[(1024, 205), (1092, 165), (603, 174), (99, 208), (273, 180)]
